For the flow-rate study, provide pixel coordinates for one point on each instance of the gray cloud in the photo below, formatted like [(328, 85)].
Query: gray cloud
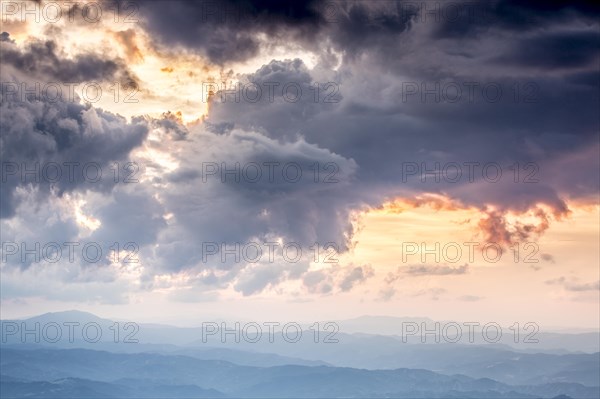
[(228, 30), (433, 293), (244, 211), (336, 278), (5, 37), (387, 293), (43, 59), (43, 132), (470, 298), (356, 275), (435, 270), (381, 129), (514, 15), (574, 285), (254, 280), (570, 49), (318, 282)]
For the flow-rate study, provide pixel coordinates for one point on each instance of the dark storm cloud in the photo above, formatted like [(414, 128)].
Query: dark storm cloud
[(549, 119), (39, 129), (129, 217), (571, 49), (374, 126), (5, 37), (229, 30), (370, 132), (38, 133), (285, 91), (226, 30), (44, 59), (514, 15), (170, 124), (224, 209), (356, 26)]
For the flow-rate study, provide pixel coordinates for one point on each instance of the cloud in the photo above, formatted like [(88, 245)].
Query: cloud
[(128, 39), (336, 278), (548, 258), (205, 200), (44, 60), (497, 230), (286, 91), (193, 295), (371, 98), (44, 132), (129, 216), (97, 286), (433, 293), (365, 126), (435, 270), (516, 16), (318, 282), (356, 276), (570, 49), (427, 133), (253, 280), (470, 298), (228, 30), (425, 270), (5, 37), (574, 285), (387, 293)]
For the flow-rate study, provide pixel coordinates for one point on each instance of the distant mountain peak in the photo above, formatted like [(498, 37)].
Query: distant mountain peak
[(67, 315)]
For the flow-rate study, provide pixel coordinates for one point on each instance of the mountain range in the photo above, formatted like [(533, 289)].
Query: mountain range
[(174, 362)]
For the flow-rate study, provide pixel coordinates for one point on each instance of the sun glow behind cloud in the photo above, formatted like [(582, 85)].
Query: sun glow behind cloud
[(168, 81)]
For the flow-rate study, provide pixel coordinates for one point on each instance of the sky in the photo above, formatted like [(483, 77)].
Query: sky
[(436, 159)]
